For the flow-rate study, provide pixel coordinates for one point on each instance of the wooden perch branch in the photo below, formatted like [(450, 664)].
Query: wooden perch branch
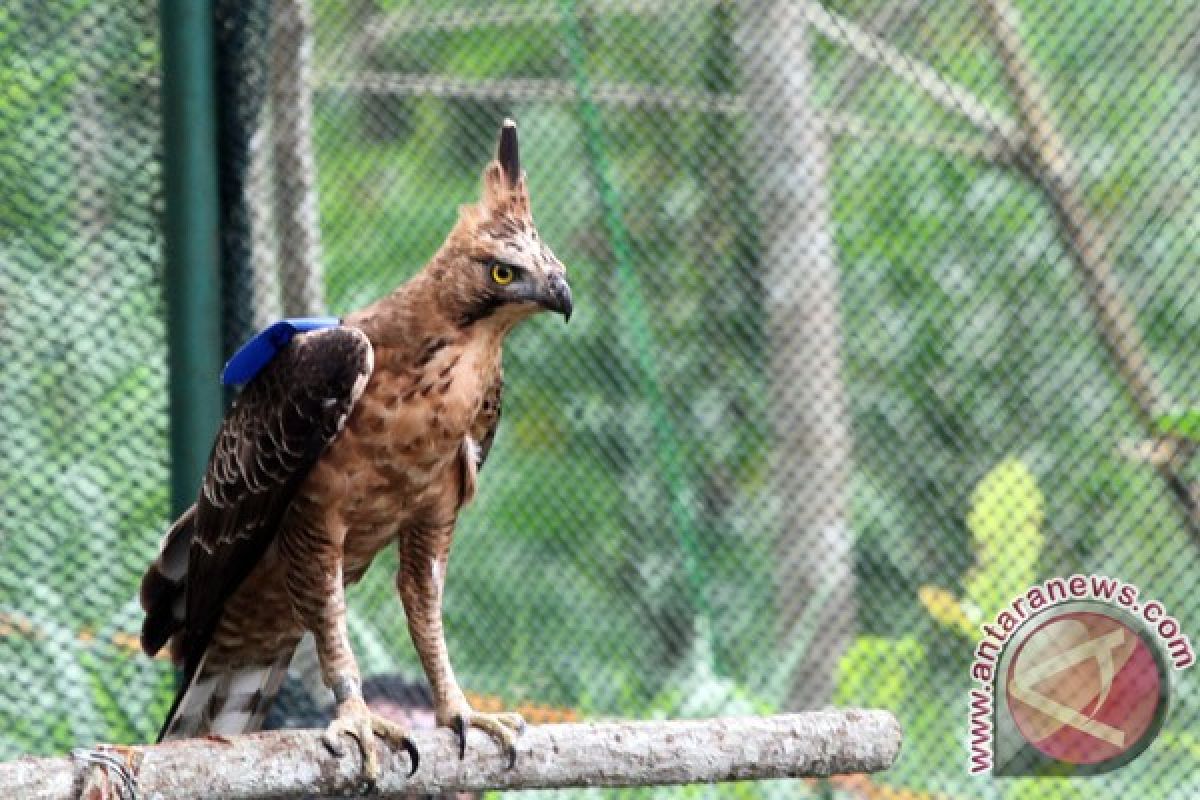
[(282, 764)]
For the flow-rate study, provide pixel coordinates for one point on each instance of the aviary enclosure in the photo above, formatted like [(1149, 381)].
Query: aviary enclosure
[(886, 311)]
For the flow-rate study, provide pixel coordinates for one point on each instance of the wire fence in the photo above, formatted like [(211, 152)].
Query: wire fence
[(885, 313)]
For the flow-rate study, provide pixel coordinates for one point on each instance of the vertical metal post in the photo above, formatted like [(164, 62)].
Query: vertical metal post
[(190, 225)]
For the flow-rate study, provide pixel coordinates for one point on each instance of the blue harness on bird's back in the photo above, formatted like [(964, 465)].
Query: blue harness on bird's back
[(255, 354)]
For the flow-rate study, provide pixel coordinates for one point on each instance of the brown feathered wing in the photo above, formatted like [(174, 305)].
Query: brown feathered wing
[(276, 430)]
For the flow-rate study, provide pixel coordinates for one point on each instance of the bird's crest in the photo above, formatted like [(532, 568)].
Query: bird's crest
[(504, 190)]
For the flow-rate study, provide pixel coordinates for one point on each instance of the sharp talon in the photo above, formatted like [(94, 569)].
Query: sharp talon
[(460, 727), (413, 756), (503, 728), (367, 728), (107, 760), (334, 746)]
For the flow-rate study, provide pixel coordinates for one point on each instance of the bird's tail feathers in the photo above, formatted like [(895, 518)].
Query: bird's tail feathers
[(163, 592), (225, 700)]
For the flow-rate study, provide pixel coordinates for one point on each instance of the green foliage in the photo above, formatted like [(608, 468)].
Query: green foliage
[(1044, 789), (83, 421), (1006, 518), (877, 672), (1182, 424)]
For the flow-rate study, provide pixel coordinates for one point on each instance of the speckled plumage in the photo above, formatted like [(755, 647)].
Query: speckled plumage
[(355, 438)]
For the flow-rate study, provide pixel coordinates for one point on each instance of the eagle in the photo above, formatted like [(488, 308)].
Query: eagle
[(352, 438)]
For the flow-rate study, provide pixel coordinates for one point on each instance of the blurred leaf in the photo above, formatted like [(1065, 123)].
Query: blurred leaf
[(879, 673), (1184, 424), (949, 611), (1005, 520), (1044, 788)]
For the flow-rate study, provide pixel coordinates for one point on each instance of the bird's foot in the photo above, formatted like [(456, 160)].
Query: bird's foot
[(356, 720), (112, 771), (504, 727)]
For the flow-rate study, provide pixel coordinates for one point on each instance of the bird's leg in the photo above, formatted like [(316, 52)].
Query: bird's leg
[(324, 613), (421, 580)]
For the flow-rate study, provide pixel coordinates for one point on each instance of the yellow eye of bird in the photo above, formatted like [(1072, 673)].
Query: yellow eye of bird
[(502, 274)]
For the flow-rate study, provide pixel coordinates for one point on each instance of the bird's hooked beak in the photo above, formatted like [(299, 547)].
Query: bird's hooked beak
[(557, 296)]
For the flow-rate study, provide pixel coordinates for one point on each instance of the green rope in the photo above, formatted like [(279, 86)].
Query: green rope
[(667, 443)]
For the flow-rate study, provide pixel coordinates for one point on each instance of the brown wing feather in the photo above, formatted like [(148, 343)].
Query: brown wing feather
[(275, 432), (472, 455), (491, 421)]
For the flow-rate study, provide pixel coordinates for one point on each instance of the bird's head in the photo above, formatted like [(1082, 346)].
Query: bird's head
[(494, 268)]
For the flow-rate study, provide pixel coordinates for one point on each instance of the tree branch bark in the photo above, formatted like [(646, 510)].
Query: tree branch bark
[(296, 209), (953, 97), (812, 451), (267, 766), (1001, 132), (1049, 163)]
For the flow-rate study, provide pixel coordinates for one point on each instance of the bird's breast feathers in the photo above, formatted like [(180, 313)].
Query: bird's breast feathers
[(409, 426)]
